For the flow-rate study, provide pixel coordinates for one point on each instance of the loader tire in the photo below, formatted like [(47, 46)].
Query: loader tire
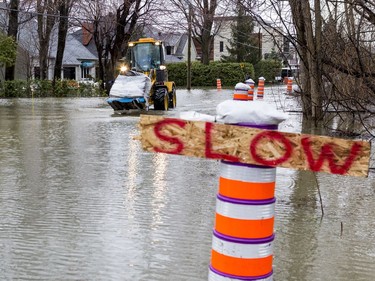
[(173, 98), (161, 99)]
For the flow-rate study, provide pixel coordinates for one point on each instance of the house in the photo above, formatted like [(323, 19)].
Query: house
[(269, 38), (78, 61), (176, 44), (85, 36)]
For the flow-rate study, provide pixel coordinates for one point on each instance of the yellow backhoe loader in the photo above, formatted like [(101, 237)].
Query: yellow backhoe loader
[(144, 82)]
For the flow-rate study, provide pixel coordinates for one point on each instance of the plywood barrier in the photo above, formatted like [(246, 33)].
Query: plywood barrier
[(254, 146)]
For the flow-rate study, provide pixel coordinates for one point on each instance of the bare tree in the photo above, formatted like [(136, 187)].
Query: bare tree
[(63, 8), (112, 25), (46, 16), (12, 31), (202, 21), (334, 41)]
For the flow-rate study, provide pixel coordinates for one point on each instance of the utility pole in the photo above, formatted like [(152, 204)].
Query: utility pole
[(260, 35), (188, 82)]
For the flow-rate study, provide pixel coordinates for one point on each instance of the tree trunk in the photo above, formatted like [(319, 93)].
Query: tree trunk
[(206, 47), (45, 26), (123, 35), (12, 31), (309, 42), (63, 30), (209, 8)]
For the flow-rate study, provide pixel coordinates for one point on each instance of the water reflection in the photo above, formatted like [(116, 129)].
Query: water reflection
[(159, 187)]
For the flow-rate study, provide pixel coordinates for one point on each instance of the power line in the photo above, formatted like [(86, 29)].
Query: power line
[(34, 13), (46, 14)]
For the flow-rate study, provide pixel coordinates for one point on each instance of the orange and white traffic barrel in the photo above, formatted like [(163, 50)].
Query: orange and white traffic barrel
[(244, 218), (251, 84), (240, 259), (241, 92), (289, 87), (246, 181), (218, 84), (247, 219), (260, 92)]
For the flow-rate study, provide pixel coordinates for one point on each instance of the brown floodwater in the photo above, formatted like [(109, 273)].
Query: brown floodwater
[(80, 200)]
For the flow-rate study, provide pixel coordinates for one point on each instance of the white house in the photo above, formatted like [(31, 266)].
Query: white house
[(270, 40), (176, 44), (78, 62)]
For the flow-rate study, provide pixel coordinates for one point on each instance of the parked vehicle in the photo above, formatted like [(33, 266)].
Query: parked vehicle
[(291, 71)]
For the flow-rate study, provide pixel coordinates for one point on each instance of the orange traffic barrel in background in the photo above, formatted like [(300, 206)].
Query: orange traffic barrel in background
[(251, 84), (260, 92), (218, 84), (289, 87)]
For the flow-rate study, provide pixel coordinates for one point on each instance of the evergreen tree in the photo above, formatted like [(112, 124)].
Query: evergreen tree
[(8, 50), (244, 45)]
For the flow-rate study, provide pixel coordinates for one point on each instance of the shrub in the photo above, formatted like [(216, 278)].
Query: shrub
[(206, 75), (44, 88), (268, 69), (14, 88)]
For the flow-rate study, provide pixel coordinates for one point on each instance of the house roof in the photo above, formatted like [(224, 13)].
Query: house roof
[(3, 16), (173, 58), (91, 44), (181, 45), (74, 52)]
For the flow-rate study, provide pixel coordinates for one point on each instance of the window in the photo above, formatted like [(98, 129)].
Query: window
[(85, 72), (168, 50), (70, 73), (37, 72), (221, 46)]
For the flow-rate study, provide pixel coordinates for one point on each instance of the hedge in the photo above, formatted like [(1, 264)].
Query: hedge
[(206, 75), (44, 88), (268, 69)]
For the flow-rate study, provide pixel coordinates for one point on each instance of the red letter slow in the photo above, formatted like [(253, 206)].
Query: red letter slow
[(157, 130), (327, 153)]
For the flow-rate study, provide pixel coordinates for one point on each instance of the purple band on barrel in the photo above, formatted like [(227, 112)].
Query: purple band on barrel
[(258, 126), (246, 202), (241, 277), (247, 165), (243, 240)]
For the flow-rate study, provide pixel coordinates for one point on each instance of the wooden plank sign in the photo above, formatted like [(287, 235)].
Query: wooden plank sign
[(254, 146)]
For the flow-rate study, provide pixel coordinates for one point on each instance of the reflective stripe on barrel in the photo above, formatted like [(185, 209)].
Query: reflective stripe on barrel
[(247, 182), (241, 257), (215, 275), (244, 218)]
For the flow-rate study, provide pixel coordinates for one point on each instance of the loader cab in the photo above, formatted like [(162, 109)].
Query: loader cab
[(146, 54)]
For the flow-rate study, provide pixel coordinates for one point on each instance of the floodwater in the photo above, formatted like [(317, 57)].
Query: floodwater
[(80, 200)]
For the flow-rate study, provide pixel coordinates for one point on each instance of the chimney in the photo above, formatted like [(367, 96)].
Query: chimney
[(87, 30)]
